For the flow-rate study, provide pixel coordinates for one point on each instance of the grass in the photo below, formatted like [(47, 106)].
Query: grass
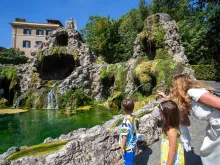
[(88, 107), (38, 150)]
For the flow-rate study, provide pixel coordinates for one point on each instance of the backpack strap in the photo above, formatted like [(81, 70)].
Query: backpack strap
[(216, 93)]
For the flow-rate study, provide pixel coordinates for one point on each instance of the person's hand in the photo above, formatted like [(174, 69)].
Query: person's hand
[(162, 95), (122, 151)]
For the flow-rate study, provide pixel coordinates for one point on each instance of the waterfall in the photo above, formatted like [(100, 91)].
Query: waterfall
[(36, 101), (68, 105), (17, 103), (132, 92), (52, 101)]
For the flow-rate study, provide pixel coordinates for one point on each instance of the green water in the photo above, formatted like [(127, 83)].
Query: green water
[(34, 126)]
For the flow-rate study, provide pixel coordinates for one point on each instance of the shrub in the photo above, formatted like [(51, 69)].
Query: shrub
[(205, 72), (107, 75), (81, 97), (12, 56), (3, 102)]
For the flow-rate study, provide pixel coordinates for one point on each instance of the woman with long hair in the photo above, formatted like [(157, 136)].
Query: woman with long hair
[(192, 95)]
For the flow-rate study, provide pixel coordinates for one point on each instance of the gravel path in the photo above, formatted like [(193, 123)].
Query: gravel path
[(151, 156)]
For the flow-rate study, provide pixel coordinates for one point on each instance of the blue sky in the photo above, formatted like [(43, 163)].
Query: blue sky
[(40, 10)]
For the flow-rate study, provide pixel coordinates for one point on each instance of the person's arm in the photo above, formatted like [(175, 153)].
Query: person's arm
[(210, 100), (184, 118), (124, 139), (172, 136)]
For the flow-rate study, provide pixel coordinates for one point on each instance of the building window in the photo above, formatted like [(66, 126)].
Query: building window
[(39, 32), (27, 31), (38, 42), (26, 44), (48, 31)]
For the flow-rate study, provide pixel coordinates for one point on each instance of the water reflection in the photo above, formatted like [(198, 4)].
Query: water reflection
[(34, 126)]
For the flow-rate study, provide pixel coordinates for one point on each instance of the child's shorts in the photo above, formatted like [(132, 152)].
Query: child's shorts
[(129, 157)]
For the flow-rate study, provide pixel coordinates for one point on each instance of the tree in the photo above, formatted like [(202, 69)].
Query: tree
[(131, 24), (103, 38), (12, 56), (143, 9)]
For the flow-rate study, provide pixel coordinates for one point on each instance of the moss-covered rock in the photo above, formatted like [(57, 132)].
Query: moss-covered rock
[(3, 102), (155, 74), (152, 38), (38, 150)]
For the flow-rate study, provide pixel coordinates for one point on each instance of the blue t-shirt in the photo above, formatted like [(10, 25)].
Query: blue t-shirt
[(128, 128)]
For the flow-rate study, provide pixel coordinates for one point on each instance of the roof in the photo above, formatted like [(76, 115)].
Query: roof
[(51, 21), (34, 24)]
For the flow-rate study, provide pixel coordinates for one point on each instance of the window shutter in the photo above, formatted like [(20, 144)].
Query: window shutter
[(23, 44)]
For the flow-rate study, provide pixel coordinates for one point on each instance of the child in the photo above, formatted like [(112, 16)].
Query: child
[(172, 151), (184, 122), (128, 130)]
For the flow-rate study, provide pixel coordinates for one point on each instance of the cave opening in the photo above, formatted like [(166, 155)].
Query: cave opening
[(5, 90), (62, 39), (57, 67), (149, 48)]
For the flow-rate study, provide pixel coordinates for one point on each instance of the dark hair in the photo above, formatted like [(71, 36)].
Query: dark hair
[(127, 105), (171, 115)]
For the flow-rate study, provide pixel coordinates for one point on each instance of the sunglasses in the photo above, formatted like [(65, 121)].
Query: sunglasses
[(161, 107)]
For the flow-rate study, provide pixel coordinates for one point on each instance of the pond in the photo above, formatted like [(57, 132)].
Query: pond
[(32, 127)]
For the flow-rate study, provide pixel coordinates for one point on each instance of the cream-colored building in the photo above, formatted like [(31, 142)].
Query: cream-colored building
[(27, 35)]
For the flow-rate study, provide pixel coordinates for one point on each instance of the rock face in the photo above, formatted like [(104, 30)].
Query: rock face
[(24, 73), (64, 63), (98, 145), (172, 37)]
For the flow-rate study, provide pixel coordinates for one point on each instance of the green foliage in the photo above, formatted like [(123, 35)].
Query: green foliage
[(3, 103), (177, 9), (58, 50), (113, 39), (40, 55), (120, 78), (35, 79), (12, 56), (9, 72), (81, 98), (107, 74), (38, 150), (98, 33), (63, 100), (130, 25), (162, 54), (143, 9), (156, 74), (205, 72), (159, 37)]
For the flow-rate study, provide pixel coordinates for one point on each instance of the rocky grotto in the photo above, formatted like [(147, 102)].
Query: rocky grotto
[(63, 72)]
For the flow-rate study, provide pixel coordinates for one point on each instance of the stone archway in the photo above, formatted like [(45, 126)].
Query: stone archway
[(62, 39), (57, 67)]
